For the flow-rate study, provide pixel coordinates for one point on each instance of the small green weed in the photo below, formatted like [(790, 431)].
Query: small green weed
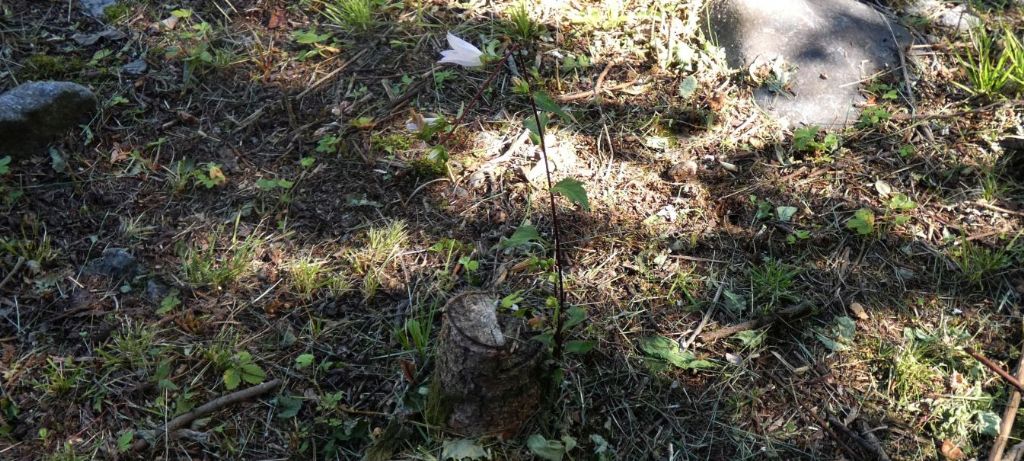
[(992, 71), (205, 263), (772, 283), (872, 116), (355, 15), (978, 263), (383, 245), (520, 25)]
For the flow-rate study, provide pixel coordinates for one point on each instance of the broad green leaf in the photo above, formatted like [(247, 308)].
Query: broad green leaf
[(308, 37), (574, 316), (531, 124), (668, 350), (750, 338), (579, 347), (901, 202), (462, 449), (523, 235), (124, 441), (183, 13), (551, 450), (231, 378), (688, 87), (5, 163), (252, 373), (169, 302), (863, 222), (545, 103), (988, 423), (288, 407), (574, 191), (303, 361), (785, 213)]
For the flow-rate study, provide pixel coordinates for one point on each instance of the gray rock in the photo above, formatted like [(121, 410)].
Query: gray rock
[(955, 18), (96, 8), (114, 263), (156, 291), (91, 39), (810, 54), (35, 114), (136, 67)]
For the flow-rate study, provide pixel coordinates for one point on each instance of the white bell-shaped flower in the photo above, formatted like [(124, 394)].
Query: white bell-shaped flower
[(462, 53)]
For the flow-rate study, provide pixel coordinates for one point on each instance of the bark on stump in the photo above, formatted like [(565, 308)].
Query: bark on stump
[(489, 375)]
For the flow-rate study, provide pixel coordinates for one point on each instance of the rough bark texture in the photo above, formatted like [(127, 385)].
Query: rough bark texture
[(489, 375)]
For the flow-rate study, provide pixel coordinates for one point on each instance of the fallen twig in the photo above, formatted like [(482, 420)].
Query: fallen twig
[(14, 270), (209, 407), (996, 368), (1008, 416), (591, 93), (730, 330), (874, 445), (334, 72)]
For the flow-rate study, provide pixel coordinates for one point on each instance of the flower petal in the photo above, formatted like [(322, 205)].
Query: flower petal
[(459, 44)]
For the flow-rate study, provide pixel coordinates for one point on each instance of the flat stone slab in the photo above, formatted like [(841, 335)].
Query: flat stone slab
[(35, 114), (824, 48)]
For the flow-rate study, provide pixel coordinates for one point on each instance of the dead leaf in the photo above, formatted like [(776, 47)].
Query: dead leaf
[(951, 451), (858, 311), (409, 370), (277, 18)]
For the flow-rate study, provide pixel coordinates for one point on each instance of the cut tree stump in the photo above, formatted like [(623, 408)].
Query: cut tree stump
[(489, 377)]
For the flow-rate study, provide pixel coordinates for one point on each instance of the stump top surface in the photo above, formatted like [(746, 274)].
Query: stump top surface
[(476, 316)]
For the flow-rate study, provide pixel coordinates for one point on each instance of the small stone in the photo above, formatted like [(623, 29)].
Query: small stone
[(156, 291), (858, 311), (683, 171), (114, 263), (91, 39), (35, 114), (136, 67)]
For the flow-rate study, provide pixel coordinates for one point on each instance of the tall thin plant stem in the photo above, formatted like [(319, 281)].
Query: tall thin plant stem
[(555, 228)]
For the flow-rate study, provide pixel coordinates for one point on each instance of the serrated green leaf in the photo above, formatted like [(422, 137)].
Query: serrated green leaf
[(523, 235), (462, 449), (573, 190), (989, 422), (288, 407), (231, 378), (252, 373), (124, 441), (169, 302), (785, 213), (574, 316), (303, 361), (688, 87)]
